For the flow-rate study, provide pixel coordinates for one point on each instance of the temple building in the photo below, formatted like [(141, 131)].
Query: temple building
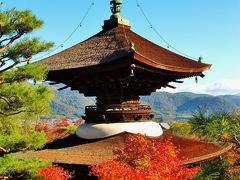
[(118, 66)]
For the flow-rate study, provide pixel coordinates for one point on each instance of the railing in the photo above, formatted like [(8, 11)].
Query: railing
[(119, 108), (118, 113)]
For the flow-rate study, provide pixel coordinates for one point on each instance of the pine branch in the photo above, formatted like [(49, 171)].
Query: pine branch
[(3, 59), (20, 78), (236, 139), (14, 113), (1, 33), (3, 151), (2, 64), (5, 100), (6, 46), (16, 63), (11, 40), (9, 67)]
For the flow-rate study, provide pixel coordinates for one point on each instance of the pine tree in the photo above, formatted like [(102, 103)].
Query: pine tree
[(20, 101), (15, 47)]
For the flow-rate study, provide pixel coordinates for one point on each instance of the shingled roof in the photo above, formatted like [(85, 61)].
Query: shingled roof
[(113, 44), (74, 150)]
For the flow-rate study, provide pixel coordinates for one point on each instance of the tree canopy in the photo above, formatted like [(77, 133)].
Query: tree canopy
[(144, 158), (15, 46), (21, 101)]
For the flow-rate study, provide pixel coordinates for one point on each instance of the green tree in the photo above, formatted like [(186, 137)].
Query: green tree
[(21, 102), (12, 168), (219, 127), (15, 47)]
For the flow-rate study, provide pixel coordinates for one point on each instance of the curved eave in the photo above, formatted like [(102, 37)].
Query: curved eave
[(212, 155), (141, 58), (75, 150)]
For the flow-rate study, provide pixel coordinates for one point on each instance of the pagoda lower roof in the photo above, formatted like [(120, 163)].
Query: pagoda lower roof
[(74, 150), (114, 44)]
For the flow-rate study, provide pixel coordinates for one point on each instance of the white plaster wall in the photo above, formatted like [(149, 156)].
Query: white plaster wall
[(96, 131)]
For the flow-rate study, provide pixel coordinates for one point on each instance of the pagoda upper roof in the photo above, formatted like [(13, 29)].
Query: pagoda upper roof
[(112, 44)]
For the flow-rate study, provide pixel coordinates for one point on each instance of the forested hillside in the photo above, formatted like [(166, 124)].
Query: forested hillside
[(70, 104), (166, 106)]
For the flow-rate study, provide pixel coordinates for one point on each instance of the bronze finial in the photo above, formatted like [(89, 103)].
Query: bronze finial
[(116, 6), (116, 17)]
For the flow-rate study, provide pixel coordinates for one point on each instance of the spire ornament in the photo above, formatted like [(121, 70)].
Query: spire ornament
[(116, 17), (116, 7)]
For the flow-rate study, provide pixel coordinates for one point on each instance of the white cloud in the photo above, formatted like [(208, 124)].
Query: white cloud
[(216, 88)]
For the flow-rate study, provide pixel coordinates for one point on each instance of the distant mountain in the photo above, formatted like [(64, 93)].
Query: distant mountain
[(234, 99), (166, 106), (69, 103), (210, 104), (180, 106)]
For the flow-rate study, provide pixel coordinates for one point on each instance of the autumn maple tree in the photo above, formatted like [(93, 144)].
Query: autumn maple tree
[(144, 158), (58, 129), (53, 173)]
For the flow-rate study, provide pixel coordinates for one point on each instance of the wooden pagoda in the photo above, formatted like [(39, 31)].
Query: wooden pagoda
[(117, 66)]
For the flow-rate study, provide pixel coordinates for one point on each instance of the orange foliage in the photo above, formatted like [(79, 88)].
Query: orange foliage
[(53, 173), (233, 158), (53, 131), (144, 158)]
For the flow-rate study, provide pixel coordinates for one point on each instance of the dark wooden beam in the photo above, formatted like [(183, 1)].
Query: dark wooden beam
[(177, 81), (54, 83), (65, 87), (173, 87)]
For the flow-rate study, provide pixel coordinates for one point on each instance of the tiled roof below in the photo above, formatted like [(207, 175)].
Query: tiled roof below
[(73, 150)]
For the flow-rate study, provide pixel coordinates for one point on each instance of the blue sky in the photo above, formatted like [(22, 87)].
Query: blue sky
[(207, 28)]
